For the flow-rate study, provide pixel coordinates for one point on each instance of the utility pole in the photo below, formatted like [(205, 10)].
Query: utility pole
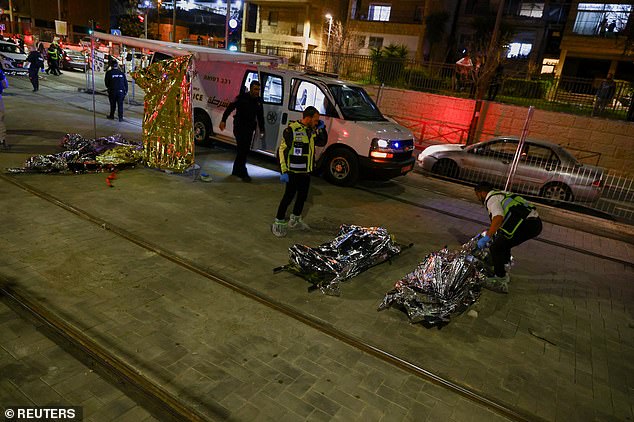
[(11, 15), (228, 18), (174, 23)]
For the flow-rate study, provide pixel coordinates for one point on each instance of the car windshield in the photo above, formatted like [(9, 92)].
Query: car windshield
[(9, 48), (355, 103)]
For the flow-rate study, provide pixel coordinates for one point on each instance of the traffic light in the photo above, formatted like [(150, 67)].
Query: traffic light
[(141, 18), (235, 33)]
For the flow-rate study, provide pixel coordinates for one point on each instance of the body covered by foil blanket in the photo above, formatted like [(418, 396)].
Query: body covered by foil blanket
[(82, 155), (354, 250), (445, 283)]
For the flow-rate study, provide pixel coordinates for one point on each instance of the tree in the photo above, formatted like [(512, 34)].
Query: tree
[(389, 62), (341, 40), (487, 46), (130, 25), (435, 25)]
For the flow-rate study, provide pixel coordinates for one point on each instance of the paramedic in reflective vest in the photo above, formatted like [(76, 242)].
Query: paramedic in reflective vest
[(513, 221), (248, 106), (297, 155), (117, 85)]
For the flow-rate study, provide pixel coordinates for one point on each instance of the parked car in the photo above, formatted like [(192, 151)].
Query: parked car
[(544, 169), (74, 60), (12, 58)]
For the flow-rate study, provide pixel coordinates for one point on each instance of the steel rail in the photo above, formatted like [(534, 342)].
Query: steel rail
[(313, 322), (162, 403), (476, 221)]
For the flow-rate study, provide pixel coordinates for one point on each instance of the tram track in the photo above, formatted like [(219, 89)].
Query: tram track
[(482, 223), (170, 404)]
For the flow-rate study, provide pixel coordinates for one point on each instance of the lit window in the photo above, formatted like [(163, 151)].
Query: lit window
[(519, 50), (380, 12), (532, 9), (601, 19)]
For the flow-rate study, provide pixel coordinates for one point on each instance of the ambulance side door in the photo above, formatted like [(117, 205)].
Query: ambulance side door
[(305, 93), (273, 88)]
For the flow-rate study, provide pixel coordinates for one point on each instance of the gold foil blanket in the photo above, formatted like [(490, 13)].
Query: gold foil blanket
[(168, 137)]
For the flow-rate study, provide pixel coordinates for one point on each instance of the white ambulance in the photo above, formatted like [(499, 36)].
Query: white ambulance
[(361, 141)]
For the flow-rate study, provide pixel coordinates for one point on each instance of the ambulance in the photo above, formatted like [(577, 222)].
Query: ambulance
[(361, 141)]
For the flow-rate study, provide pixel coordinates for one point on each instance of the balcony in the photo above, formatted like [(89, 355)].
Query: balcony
[(594, 45)]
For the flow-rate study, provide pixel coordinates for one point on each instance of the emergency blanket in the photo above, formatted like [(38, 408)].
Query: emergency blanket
[(354, 250), (84, 155), (444, 284), (168, 134)]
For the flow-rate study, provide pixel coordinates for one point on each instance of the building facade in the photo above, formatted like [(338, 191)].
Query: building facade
[(598, 41), (37, 17)]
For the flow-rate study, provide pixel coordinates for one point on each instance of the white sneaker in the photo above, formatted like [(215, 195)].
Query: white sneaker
[(279, 228), (296, 223)]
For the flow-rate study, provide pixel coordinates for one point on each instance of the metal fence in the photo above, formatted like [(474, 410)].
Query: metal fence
[(556, 174), (555, 179), (565, 94)]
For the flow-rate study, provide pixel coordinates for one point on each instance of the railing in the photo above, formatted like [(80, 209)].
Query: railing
[(541, 173), (565, 94)]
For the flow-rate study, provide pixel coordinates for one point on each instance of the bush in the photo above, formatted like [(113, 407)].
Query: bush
[(524, 88)]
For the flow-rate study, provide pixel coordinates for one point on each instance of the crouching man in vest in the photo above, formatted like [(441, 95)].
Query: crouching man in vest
[(297, 155), (513, 221)]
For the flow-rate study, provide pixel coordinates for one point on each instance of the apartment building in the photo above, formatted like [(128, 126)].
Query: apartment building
[(597, 40)]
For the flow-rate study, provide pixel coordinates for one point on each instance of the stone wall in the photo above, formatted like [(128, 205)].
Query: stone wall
[(612, 139)]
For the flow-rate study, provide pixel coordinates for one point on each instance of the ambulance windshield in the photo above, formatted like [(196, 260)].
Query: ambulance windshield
[(356, 104)]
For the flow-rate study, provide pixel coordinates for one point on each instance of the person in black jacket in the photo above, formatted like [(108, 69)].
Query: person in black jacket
[(249, 113), (117, 85), (36, 62)]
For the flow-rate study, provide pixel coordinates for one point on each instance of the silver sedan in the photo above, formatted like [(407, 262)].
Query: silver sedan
[(544, 169)]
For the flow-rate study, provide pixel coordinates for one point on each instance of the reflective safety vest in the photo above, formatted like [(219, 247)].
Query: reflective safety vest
[(516, 209), (53, 54), (298, 157)]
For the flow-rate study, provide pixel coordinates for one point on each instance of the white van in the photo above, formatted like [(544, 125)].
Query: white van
[(361, 141)]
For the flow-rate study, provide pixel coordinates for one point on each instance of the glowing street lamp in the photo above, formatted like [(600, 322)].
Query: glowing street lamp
[(329, 17)]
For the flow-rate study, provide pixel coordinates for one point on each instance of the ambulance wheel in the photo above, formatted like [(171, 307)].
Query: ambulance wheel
[(342, 167), (202, 127)]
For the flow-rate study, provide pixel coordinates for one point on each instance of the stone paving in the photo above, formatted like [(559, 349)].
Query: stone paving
[(37, 372), (556, 347)]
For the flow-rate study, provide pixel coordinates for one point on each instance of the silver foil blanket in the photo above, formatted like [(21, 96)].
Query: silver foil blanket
[(354, 250), (444, 284), (84, 155)]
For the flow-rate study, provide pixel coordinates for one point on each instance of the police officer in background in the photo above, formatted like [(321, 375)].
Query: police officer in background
[(297, 156), (36, 62), (249, 113), (117, 85), (513, 221)]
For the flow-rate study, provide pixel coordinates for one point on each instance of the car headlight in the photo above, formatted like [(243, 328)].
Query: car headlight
[(386, 148)]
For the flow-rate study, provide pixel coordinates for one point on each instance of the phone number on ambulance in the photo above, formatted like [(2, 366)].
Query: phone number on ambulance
[(217, 79)]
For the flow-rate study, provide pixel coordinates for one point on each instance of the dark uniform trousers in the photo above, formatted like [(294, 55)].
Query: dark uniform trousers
[(501, 246), (297, 183), (244, 138), (116, 101)]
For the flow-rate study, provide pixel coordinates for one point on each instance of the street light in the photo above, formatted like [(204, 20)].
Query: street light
[(329, 17), (146, 5)]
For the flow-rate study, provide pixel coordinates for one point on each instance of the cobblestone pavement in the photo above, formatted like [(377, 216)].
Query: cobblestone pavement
[(557, 347), (37, 372)]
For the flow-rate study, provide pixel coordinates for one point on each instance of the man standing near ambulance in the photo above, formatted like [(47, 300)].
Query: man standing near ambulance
[(297, 156), (249, 113)]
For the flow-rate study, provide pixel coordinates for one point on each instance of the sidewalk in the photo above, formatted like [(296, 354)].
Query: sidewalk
[(556, 347)]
